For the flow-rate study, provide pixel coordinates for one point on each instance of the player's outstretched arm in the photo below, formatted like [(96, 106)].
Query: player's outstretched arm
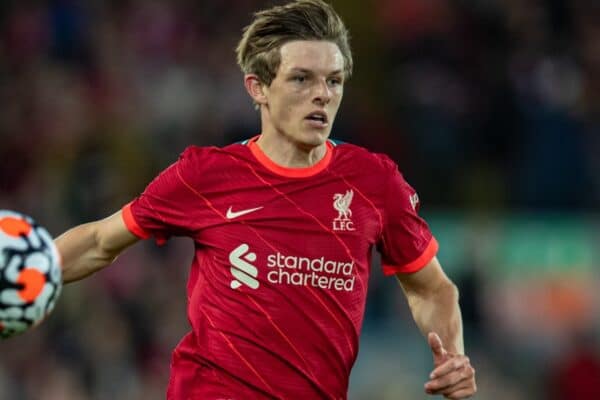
[(90, 247), (433, 300)]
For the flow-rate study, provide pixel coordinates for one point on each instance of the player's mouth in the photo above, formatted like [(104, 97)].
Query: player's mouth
[(317, 119)]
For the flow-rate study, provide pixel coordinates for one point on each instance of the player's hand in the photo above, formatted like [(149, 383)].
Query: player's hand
[(452, 376)]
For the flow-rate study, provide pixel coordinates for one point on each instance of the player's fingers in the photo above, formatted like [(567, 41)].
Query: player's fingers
[(462, 392), (451, 382), (454, 363), (437, 348), (449, 391)]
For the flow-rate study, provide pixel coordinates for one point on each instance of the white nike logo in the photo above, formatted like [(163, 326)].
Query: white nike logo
[(234, 214)]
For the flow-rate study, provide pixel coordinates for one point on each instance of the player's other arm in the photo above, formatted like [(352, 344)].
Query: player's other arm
[(433, 300), (90, 247)]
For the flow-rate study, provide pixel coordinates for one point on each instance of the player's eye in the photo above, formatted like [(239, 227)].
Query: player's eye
[(334, 81), (299, 78)]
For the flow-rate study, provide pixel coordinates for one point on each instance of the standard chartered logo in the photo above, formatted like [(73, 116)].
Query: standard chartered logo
[(241, 269), (315, 272), (291, 270)]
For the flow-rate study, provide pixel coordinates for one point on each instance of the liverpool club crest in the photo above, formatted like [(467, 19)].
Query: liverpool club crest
[(341, 203)]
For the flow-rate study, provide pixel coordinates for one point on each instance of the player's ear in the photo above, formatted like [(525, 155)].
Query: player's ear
[(255, 89)]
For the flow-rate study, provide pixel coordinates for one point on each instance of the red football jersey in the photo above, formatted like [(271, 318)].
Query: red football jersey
[(278, 283)]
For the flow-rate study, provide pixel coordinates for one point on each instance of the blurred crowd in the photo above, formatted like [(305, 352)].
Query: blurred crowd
[(486, 105)]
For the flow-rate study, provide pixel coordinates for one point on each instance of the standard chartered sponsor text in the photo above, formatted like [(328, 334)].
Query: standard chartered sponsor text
[(316, 272)]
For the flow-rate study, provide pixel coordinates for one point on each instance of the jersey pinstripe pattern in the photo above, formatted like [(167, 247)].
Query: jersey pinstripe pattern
[(277, 288)]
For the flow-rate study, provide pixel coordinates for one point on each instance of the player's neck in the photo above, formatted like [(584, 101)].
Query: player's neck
[(287, 153)]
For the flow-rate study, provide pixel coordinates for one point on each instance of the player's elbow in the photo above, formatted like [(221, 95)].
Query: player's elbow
[(449, 291), (83, 251), (445, 292)]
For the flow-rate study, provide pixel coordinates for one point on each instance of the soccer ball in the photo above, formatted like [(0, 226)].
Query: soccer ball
[(30, 273)]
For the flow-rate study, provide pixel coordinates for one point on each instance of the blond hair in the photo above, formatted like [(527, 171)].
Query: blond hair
[(258, 50)]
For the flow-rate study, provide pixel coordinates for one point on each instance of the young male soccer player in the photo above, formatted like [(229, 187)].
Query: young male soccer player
[(284, 225)]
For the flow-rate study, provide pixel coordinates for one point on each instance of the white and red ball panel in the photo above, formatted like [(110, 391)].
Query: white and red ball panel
[(30, 273)]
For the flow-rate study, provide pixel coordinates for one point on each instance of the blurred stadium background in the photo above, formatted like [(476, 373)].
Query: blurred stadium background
[(490, 107)]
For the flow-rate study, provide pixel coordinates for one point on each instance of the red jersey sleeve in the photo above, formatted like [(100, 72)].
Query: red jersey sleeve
[(406, 243), (162, 210)]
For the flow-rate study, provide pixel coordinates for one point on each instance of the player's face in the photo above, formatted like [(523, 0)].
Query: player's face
[(304, 97)]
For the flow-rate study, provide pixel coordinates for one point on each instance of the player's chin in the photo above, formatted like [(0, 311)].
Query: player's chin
[(315, 136)]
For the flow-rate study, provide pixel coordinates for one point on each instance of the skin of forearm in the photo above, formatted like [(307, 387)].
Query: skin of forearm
[(438, 311), (82, 253)]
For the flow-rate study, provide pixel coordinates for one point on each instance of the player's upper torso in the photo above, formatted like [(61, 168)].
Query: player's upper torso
[(278, 283)]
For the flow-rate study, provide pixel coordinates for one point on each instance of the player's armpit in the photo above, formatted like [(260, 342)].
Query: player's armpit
[(90, 247)]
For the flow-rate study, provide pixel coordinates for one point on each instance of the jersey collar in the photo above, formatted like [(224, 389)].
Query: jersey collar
[(288, 172)]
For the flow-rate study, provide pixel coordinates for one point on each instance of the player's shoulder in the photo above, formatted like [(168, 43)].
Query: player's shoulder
[(210, 154), (195, 152), (201, 165), (362, 157)]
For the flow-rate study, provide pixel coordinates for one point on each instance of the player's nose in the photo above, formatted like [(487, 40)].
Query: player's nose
[(322, 92)]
